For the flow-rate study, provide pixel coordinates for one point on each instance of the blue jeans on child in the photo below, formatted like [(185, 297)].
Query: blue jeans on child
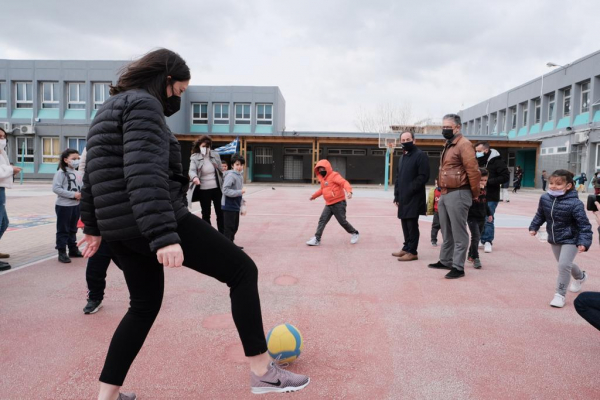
[(66, 227), (3, 215), (488, 230)]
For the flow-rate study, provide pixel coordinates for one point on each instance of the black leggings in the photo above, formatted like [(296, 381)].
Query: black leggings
[(213, 196), (206, 251)]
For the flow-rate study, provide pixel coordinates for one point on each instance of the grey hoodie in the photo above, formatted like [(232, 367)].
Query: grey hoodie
[(232, 191), (65, 185)]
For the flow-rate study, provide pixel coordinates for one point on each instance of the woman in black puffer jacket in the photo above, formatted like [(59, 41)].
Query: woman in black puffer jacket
[(133, 197), (569, 231)]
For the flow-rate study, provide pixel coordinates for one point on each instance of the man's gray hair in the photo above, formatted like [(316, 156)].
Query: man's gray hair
[(454, 117), (412, 134)]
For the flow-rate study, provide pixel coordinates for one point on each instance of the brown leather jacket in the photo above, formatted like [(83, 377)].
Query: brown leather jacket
[(458, 167)]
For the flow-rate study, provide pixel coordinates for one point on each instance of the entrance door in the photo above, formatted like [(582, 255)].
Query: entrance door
[(526, 159), (292, 167), (263, 163), (339, 165)]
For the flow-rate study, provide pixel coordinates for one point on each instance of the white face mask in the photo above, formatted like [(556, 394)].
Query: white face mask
[(2, 143), (203, 151)]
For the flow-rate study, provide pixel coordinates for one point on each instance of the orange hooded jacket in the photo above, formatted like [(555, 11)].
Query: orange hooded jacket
[(332, 185)]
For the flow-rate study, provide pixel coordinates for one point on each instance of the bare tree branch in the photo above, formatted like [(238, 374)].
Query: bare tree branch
[(383, 117)]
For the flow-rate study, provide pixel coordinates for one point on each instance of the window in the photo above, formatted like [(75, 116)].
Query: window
[(494, 123), (525, 109), (538, 110), (298, 150), (585, 97), (77, 144), (264, 114), (101, 94), (550, 106), (28, 142), (221, 114), (551, 150), (76, 99), (50, 150), (3, 95), (598, 157), (478, 126), (511, 159), (567, 102), (200, 113), (24, 91), (554, 150), (562, 150), (50, 95), (378, 152), (544, 151), (347, 152), (263, 155), (513, 112), (242, 114)]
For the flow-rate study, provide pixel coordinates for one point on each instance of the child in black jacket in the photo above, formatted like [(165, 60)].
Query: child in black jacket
[(478, 213)]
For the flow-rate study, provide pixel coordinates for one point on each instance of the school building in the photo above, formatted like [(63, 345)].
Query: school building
[(47, 106), (560, 110)]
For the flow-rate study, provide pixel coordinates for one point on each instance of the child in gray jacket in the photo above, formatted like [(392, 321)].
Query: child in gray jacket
[(232, 200), (67, 186)]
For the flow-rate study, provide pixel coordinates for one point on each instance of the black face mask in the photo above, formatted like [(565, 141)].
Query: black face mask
[(172, 106), (323, 173), (408, 146), (448, 133)]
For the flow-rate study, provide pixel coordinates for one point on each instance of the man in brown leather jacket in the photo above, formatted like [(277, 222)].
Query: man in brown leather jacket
[(459, 178)]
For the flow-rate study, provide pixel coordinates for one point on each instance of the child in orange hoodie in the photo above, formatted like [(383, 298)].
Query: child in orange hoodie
[(334, 189)]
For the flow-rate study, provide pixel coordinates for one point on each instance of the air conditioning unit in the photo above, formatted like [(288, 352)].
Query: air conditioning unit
[(580, 137), (26, 129)]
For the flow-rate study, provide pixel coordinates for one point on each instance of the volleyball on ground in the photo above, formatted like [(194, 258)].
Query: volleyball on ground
[(285, 341)]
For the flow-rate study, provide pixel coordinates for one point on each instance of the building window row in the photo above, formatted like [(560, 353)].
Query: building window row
[(548, 151), (49, 94), (51, 150), (222, 116)]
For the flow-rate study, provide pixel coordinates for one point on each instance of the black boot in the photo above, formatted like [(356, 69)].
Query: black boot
[(63, 257), (75, 253), (4, 266)]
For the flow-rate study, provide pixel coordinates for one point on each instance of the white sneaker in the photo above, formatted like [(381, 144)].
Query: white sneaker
[(480, 245), (354, 238), (488, 247), (576, 284), (313, 241), (558, 301)]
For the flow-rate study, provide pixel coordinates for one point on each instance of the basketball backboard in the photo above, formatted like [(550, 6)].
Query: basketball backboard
[(389, 139)]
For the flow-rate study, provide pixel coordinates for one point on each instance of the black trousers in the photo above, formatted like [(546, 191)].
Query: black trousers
[(587, 304), (66, 227), (410, 229), (206, 252), (476, 227), (337, 210), (95, 272), (435, 227), (213, 196), (232, 223)]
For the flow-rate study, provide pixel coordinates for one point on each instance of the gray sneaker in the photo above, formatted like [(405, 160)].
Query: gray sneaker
[(277, 380), (127, 396), (477, 263), (313, 241)]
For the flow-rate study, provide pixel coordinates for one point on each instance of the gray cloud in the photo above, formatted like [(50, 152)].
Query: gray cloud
[(329, 57)]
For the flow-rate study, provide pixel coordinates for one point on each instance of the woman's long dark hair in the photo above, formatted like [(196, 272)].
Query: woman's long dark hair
[(203, 139), (150, 73), (65, 154)]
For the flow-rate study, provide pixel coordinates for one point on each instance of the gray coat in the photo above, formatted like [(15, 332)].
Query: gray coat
[(198, 159)]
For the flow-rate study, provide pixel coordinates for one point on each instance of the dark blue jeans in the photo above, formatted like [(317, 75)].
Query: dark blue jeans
[(488, 230), (587, 305), (3, 215), (66, 227)]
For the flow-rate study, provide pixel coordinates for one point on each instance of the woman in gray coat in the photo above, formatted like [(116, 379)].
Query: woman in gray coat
[(207, 179)]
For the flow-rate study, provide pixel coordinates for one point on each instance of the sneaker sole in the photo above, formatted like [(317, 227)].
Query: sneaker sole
[(313, 244), (94, 311), (557, 306), (289, 389), (455, 277), (436, 267)]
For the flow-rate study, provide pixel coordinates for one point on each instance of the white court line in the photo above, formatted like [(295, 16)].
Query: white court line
[(27, 265)]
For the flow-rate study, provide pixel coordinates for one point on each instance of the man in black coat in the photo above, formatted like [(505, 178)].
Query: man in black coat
[(409, 194), (499, 174)]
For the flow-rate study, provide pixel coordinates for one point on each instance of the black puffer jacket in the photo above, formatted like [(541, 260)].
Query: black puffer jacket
[(499, 173), (133, 184)]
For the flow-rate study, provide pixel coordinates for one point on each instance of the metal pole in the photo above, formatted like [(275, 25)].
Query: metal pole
[(387, 170), (22, 163)]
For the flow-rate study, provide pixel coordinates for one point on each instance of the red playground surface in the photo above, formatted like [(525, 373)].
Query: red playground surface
[(373, 328)]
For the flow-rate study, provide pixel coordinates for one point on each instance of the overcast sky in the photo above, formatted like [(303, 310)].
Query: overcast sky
[(329, 58)]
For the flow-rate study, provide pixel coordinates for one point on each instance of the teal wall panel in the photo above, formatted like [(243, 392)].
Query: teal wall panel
[(596, 117), (220, 129), (534, 129), (75, 114), (563, 123), (26, 113), (582, 119), (93, 114), (242, 129), (48, 168), (512, 134), (264, 128), (548, 126), (3, 112), (49, 113), (199, 128)]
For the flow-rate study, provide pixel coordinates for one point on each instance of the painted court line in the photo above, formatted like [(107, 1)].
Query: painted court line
[(28, 265)]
